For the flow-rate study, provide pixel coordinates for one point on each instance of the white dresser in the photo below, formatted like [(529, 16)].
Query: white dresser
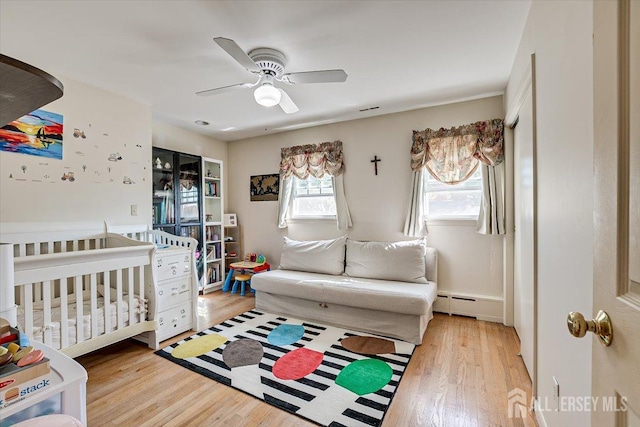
[(176, 292)]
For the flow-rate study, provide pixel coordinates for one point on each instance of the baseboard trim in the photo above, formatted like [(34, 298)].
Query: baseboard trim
[(482, 307)]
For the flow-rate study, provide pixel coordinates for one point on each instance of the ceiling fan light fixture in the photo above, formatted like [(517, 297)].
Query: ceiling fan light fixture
[(267, 95), (270, 65)]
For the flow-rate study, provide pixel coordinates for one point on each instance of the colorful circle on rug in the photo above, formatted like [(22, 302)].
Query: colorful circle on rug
[(198, 346), (243, 352), (285, 334), (368, 345), (297, 364), (364, 376)]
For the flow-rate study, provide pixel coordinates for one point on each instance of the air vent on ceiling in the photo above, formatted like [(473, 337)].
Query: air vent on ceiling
[(368, 109)]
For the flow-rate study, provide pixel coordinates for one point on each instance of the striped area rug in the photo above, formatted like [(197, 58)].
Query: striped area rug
[(330, 376)]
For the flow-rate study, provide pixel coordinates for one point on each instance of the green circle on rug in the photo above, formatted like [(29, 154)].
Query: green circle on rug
[(243, 352), (198, 346), (368, 345), (365, 376), (285, 334)]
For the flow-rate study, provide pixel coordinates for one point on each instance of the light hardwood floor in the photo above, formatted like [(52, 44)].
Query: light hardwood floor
[(459, 376)]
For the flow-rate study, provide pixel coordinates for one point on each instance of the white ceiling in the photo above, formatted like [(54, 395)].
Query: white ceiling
[(399, 55)]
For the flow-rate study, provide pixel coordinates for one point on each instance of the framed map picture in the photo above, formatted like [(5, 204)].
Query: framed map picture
[(264, 187)]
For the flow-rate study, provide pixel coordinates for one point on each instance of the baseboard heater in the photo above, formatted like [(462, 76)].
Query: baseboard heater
[(480, 307)]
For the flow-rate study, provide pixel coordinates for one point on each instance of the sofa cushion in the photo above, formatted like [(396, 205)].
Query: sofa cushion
[(402, 261), (383, 295), (316, 256)]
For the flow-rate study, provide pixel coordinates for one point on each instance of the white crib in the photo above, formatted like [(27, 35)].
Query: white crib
[(77, 287)]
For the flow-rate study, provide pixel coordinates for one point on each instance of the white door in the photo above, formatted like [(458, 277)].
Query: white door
[(616, 288), (524, 243)]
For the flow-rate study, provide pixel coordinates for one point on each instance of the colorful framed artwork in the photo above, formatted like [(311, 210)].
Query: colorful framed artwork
[(38, 133), (265, 187)]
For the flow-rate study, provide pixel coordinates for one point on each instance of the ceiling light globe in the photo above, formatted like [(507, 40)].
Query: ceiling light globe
[(267, 95)]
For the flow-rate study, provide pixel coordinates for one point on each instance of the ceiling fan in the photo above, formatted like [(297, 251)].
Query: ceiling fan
[(269, 65)]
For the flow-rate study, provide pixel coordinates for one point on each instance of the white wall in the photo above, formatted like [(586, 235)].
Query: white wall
[(469, 262), (112, 124), (178, 139), (560, 34)]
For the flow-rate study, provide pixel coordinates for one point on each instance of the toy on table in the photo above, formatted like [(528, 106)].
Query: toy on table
[(254, 257), (16, 347)]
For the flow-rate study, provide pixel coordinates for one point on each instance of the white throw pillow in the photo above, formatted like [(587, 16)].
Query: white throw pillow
[(315, 256), (401, 261)]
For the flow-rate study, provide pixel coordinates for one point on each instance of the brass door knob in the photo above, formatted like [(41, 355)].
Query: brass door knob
[(601, 326)]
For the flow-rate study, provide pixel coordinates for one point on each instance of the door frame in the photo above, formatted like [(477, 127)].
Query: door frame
[(528, 83)]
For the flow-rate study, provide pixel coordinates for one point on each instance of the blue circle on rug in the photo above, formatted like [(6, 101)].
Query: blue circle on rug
[(285, 334)]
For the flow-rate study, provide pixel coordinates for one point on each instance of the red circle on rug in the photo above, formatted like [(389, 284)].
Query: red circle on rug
[(297, 364)]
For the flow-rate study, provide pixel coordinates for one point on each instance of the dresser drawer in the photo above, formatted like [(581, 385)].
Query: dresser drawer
[(173, 292), (174, 321), (169, 266)]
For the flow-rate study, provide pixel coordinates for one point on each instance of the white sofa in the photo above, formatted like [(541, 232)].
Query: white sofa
[(321, 281)]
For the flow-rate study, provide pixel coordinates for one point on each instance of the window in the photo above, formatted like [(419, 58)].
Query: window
[(189, 207), (459, 201), (313, 197)]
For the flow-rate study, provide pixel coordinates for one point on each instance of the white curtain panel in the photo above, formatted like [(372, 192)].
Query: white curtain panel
[(284, 199), (415, 225), (342, 210), (491, 217)]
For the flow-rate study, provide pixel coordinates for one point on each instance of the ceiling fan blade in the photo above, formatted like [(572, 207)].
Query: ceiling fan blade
[(224, 89), (325, 76), (237, 53), (287, 104)]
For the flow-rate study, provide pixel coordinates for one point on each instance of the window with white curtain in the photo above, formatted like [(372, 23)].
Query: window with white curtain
[(313, 198), (457, 201)]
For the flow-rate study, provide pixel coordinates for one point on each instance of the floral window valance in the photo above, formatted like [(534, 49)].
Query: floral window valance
[(312, 159), (452, 155)]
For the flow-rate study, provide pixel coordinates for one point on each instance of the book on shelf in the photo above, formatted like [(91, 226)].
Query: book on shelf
[(213, 251), (211, 189), (163, 212), (213, 273)]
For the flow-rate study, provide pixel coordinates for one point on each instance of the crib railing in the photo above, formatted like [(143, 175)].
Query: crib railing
[(47, 238), (162, 238), (117, 271)]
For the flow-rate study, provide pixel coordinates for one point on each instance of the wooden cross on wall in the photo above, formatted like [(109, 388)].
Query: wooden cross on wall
[(375, 163)]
